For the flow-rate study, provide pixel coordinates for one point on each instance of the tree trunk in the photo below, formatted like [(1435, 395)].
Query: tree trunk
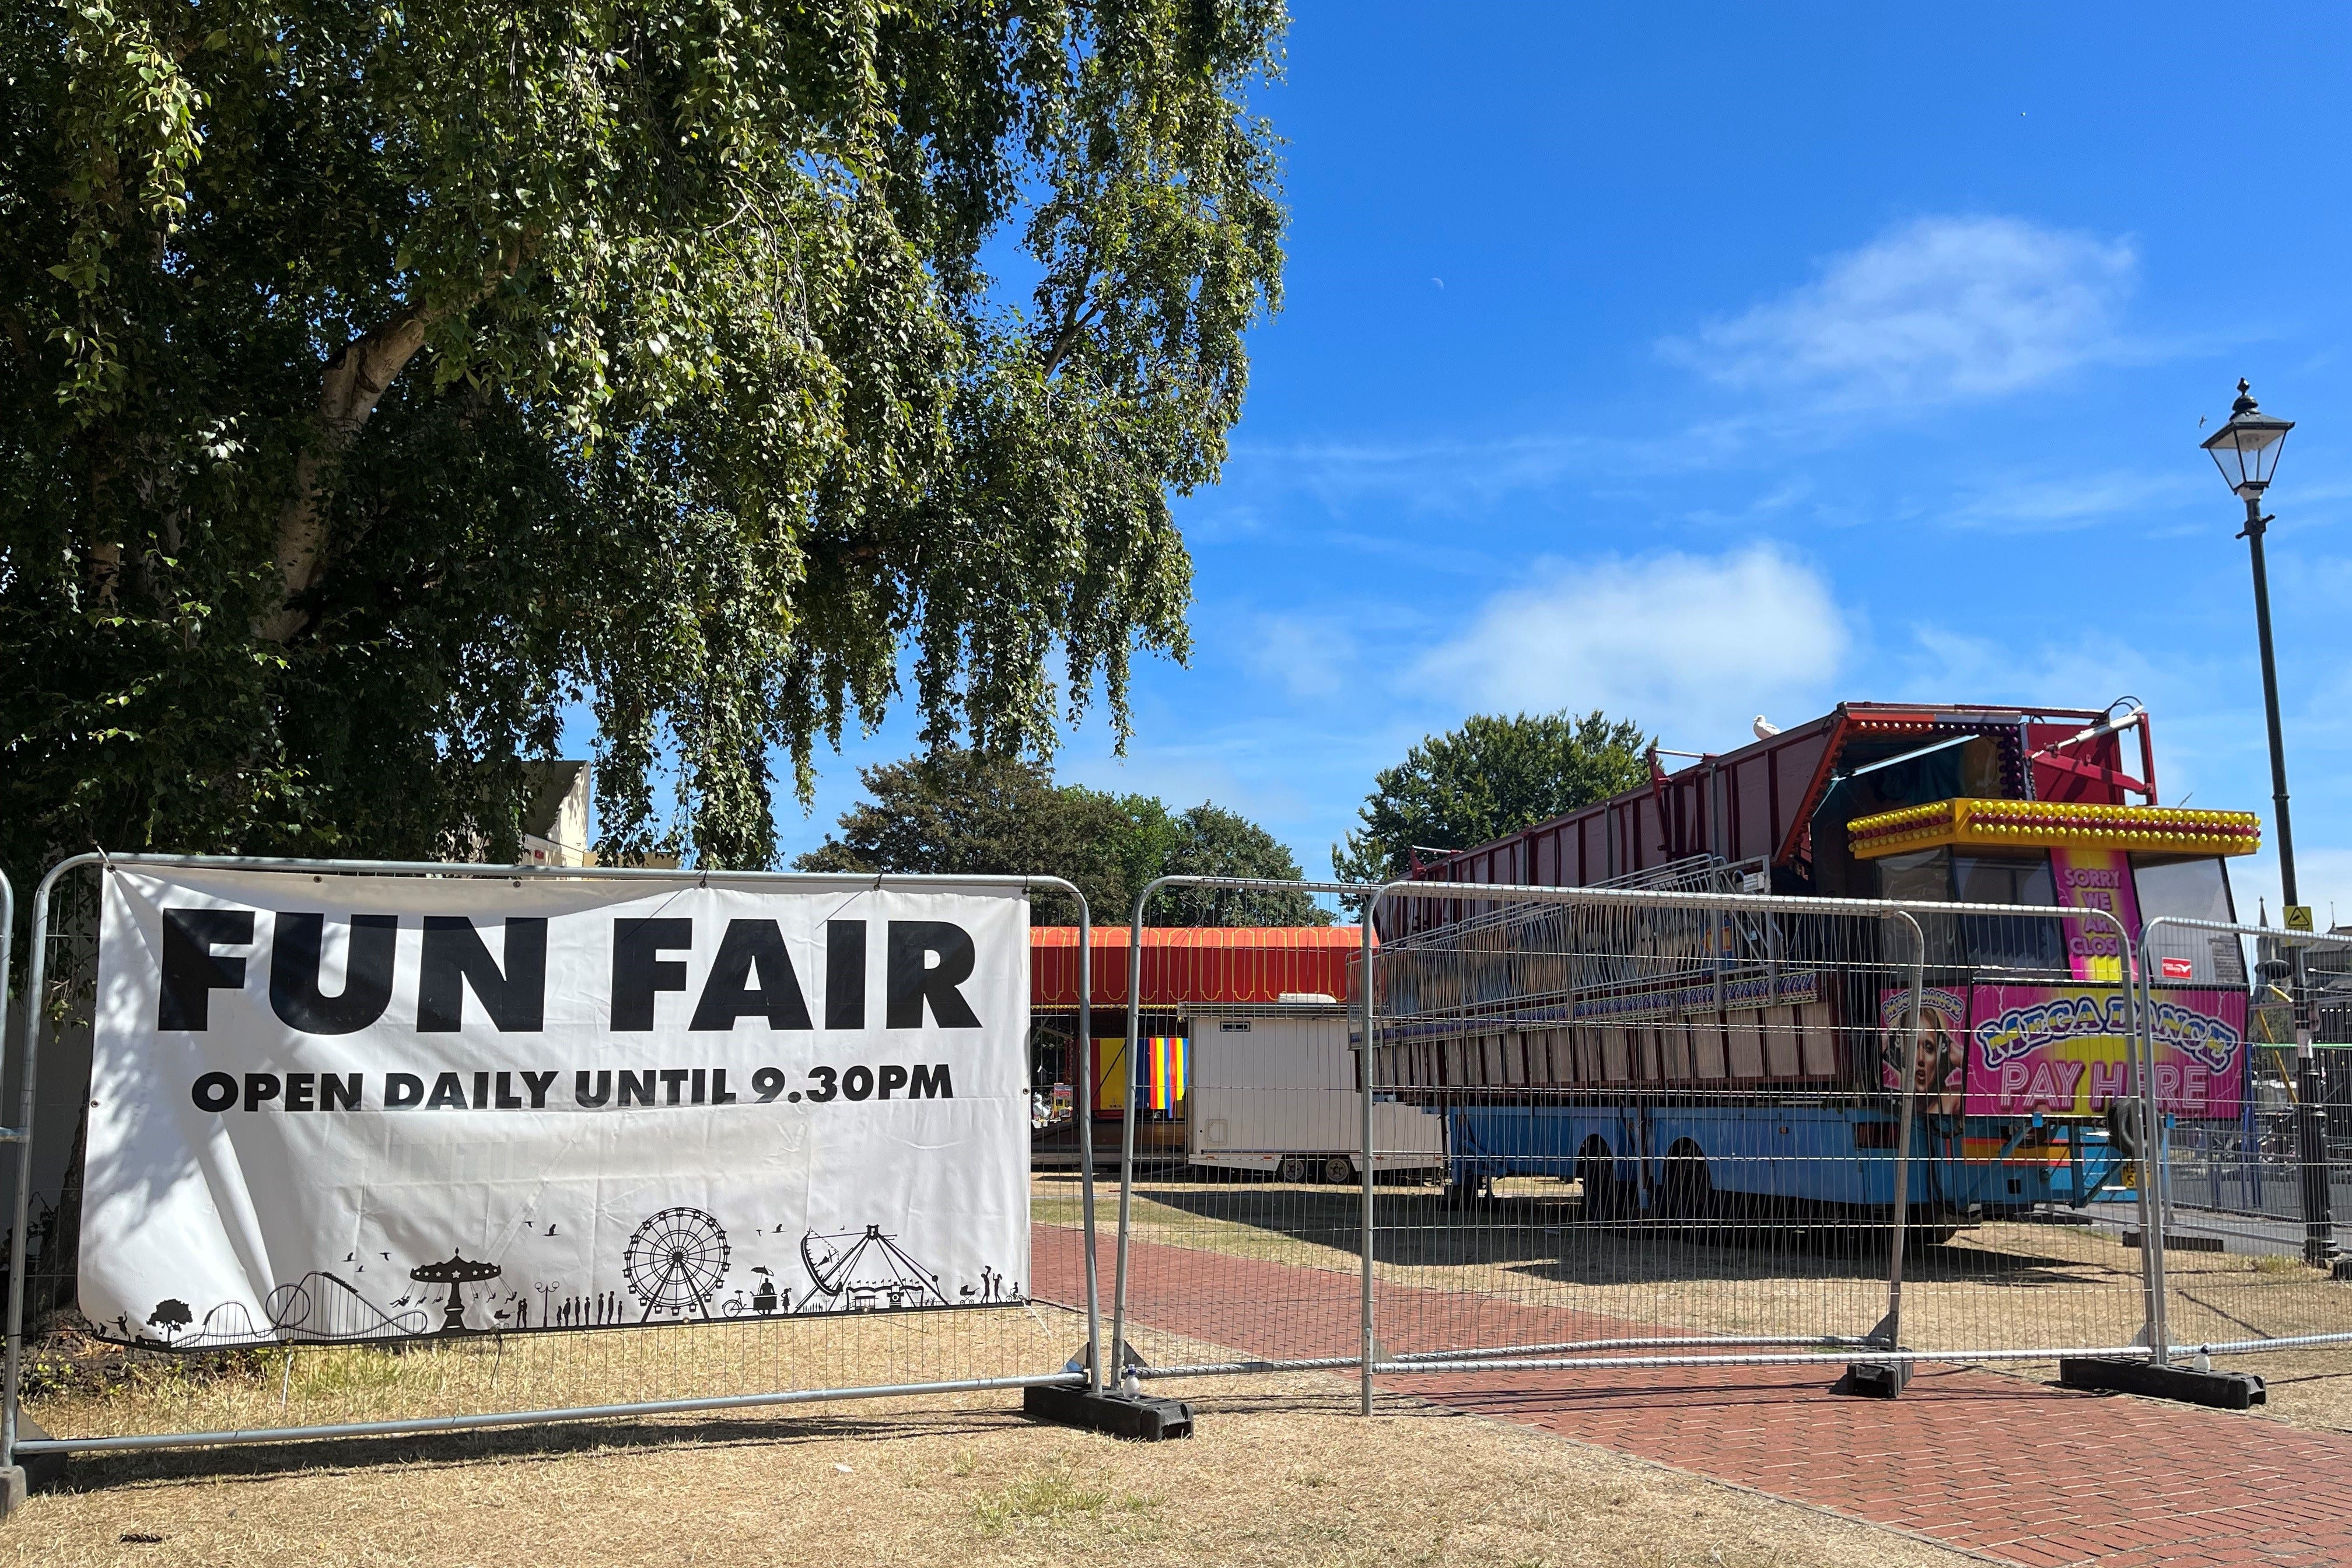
[(354, 381)]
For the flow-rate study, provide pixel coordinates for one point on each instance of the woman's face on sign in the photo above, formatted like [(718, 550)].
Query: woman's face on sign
[(1935, 1054)]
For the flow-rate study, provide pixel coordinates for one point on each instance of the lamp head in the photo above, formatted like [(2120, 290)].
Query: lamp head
[(2246, 449)]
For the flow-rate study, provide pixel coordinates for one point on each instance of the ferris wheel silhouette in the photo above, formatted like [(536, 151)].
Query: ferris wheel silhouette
[(675, 1261)]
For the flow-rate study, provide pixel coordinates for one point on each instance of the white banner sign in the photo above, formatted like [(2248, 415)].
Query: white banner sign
[(335, 1107)]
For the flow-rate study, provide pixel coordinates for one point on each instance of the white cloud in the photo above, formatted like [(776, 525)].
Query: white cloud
[(2087, 672), (1692, 646), (1938, 309), (1308, 655), (2053, 503), (1440, 475)]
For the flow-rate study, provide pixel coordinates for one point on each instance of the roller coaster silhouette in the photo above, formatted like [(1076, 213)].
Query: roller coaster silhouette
[(289, 1308)]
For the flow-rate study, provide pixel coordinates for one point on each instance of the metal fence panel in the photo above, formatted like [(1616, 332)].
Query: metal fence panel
[(1536, 1128), (1644, 1128), (2254, 1206), (447, 1381), (1241, 1177), (1677, 1131)]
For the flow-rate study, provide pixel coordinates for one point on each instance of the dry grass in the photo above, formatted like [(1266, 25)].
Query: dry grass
[(2305, 1388), (1283, 1472), (1284, 1475), (316, 1385)]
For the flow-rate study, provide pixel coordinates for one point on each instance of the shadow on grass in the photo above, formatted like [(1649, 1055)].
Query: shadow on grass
[(270, 1461), (1551, 1239)]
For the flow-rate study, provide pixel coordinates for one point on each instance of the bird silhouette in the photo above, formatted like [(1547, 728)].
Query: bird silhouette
[(385, 1256), (361, 1270), (350, 1256), (550, 1230)]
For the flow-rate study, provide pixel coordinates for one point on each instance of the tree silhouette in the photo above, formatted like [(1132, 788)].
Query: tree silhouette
[(171, 1315)]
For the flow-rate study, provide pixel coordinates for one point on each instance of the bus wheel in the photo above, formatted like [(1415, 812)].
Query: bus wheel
[(1461, 1194), (1690, 1193), (1604, 1195), (1293, 1168), (1339, 1170)]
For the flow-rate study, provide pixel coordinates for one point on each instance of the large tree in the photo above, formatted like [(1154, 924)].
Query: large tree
[(952, 810), (381, 382), (1492, 776)]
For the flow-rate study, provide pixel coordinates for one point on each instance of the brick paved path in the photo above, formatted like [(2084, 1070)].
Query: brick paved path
[(1998, 1465)]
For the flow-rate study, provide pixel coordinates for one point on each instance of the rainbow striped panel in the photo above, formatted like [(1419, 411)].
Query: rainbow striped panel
[(1165, 1056)]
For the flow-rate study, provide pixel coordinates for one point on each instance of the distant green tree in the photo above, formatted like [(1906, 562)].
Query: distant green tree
[(1207, 840), (1492, 776), (958, 811), (952, 810)]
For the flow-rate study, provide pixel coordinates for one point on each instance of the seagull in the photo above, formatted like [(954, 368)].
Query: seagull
[(1765, 728)]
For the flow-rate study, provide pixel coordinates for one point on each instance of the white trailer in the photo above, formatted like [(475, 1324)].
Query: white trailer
[(1276, 1091)]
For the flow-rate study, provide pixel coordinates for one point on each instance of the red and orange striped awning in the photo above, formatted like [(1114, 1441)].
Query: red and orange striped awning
[(1195, 965)]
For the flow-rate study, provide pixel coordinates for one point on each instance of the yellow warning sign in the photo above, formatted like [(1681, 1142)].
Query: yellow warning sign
[(2298, 916)]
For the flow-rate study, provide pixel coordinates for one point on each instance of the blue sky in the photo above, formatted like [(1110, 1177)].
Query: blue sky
[(1701, 362)]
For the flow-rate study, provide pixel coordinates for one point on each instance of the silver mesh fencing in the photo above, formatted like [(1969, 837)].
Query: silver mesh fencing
[(1658, 1130), (590, 1365), (1690, 1128), (1525, 1129), (1244, 1199), (2254, 1208)]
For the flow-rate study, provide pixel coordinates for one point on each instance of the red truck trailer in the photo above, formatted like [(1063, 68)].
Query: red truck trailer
[(1743, 1068)]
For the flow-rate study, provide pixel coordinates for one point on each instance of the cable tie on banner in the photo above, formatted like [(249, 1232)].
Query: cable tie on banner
[(104, 859)]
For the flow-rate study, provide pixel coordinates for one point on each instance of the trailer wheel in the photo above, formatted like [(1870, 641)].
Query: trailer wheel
[(1339, 1171), (1293, 1168), (2123, 1126), (1690, 1191), (1604, 1194), (1461, 1194)]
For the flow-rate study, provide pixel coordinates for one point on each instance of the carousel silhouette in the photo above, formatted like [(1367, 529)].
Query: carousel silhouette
[(456, 1272)]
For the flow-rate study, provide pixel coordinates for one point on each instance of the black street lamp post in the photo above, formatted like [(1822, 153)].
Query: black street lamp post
[(2246, 449)]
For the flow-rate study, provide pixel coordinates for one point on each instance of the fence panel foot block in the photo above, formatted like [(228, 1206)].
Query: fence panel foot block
[(2216, 1389), (1873, 1379), (1140, 1416)]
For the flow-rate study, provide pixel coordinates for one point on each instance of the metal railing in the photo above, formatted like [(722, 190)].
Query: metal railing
[(1544, 1130), (2254, 1267), (2001, 1243)]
